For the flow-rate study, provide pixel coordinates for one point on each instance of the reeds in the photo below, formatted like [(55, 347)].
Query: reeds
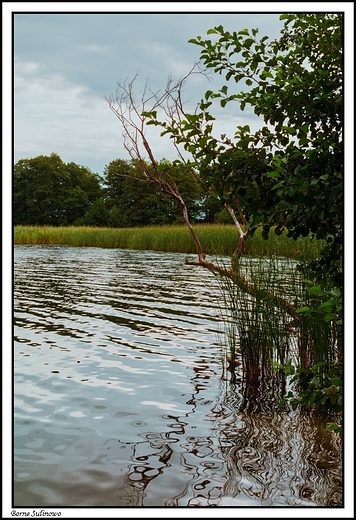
[(217, 239), (263, 325)]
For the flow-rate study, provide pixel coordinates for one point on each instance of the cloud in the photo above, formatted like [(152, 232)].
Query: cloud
[(67, 63), (92, 48), (28, 68), (53, 114), (171, 60)]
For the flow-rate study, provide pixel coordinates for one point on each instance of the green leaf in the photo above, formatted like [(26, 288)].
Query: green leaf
[(288, 17), (333, 427), (289, 130), (248, 42), (303, 141), (303, 309), (273, 174), (266, 74), (316, 289), (327, 306), (150, 114), (329, 317), (278, 185)]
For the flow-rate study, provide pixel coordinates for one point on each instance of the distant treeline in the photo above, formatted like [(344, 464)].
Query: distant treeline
[(48, 191)]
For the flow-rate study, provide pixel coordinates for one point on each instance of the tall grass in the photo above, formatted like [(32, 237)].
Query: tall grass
[(262, 331), (216, 239), (258, 328)]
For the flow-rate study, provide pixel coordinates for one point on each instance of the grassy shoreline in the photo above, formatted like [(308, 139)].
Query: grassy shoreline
[(220, 239)]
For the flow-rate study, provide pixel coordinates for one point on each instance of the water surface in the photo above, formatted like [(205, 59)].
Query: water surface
[(121, 398)]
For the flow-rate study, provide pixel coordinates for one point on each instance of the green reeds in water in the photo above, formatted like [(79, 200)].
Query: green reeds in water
[(258, 327), (263, 325)]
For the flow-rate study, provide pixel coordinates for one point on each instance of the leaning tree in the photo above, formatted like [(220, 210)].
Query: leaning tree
[(287, 174)]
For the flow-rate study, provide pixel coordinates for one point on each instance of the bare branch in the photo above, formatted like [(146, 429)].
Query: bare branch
[(130, 115), (133, 122), (133, 116)]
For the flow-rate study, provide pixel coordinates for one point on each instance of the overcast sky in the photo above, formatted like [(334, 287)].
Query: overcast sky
[(65, 64)]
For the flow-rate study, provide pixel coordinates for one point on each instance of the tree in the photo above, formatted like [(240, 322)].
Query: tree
[(295, 161), (76, 204), (133, 117), (86, 188), (49, 191), (140, 203), (40, 186), (97, 215), (288, 174), (114, 176), (137, 203)]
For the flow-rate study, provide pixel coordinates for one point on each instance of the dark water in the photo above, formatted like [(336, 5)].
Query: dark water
[(121, 398)]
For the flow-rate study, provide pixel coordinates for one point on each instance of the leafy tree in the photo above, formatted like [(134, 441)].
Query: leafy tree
[(188, 185), (289, 172), (115, 217), (86, 189), (139, 203), (40, 186), (133, 117), (136, 202), (114, 176), (97, 215), (49, 191), (76, 204)]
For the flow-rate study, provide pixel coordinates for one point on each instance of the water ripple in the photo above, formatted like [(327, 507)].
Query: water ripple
[(120, 398)]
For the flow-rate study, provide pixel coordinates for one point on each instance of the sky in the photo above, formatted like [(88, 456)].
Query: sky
[(66, 63), (61, 59)]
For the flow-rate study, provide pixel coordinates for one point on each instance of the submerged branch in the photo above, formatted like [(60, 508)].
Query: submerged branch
[(244, 285)]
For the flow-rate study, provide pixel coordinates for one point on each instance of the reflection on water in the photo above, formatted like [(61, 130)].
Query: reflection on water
[(120, 399)]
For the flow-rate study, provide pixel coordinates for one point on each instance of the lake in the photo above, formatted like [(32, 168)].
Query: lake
[(121, 397)]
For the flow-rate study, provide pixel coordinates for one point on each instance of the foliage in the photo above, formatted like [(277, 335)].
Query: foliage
[(49, 191), (319, 387), (289, 172), (142, 203), (331, 305), (286, 176), (296, 86), (97, 215)]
